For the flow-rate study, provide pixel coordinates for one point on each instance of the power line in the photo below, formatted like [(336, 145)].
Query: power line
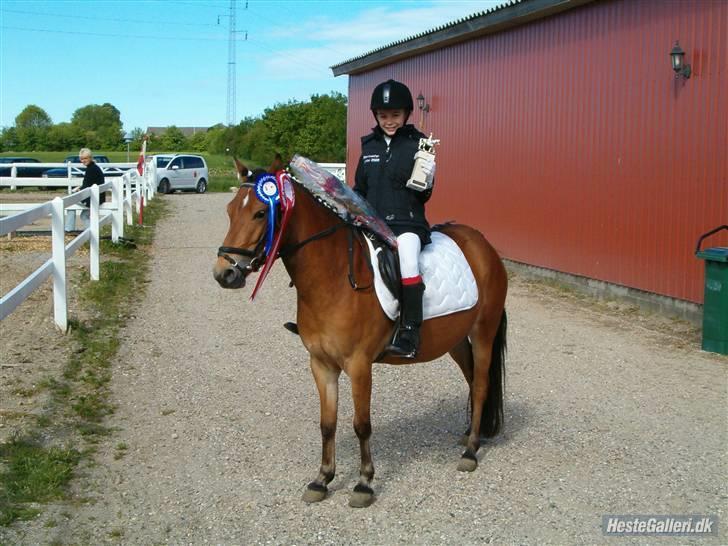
[(272, 51), (137, 21), (275, 23), (110, 35)]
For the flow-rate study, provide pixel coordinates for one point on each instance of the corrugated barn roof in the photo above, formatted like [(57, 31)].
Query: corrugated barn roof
[(500, 17)]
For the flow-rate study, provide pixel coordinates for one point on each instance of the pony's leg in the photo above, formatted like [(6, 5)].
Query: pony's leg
[(462, 354), (481, 356), (488, 339), (361, 391), (327, 382)]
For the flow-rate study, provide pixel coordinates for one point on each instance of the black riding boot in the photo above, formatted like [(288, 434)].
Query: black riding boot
[(407, 339)]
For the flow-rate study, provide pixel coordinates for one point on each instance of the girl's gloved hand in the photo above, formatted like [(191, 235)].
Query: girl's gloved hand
[(429, 167)]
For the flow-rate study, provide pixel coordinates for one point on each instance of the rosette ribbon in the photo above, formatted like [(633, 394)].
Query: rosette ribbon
[(284, 197), (266, 189)]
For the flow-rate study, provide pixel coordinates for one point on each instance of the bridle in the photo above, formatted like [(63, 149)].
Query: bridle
[(258, 254)]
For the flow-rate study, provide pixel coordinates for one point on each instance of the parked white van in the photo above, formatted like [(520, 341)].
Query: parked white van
[(181, 172)]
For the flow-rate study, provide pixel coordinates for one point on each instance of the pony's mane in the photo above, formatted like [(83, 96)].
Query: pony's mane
[(319, 200)]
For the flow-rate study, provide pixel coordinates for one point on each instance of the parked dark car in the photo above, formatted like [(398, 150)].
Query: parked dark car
[(78, 170), (25, 172)]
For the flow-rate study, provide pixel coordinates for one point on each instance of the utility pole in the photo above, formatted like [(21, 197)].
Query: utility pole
[(231, 116)]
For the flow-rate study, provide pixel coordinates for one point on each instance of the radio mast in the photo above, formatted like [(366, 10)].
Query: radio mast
[(231, 117)]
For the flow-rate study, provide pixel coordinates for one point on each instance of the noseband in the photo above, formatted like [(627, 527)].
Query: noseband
[(257, 255)]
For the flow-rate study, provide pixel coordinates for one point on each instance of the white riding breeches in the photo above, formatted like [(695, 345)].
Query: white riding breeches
[(409, 246)]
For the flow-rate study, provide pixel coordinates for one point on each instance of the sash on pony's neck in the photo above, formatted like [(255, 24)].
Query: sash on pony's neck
[(285, 200)]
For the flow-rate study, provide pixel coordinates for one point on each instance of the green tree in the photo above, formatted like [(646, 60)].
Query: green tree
[(216, 139), (9, 139), (173, 140), (28, 139), (137, 136), (323, 135), (31, 125), (197, 142), (101, 125), (33, 116), (316, 129), (64, 136)]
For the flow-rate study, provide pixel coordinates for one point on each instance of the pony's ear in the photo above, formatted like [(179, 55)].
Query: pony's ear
[(277, 164), (241, 170)]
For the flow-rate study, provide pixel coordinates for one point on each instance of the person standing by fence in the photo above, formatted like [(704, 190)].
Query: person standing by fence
[(93, 175)]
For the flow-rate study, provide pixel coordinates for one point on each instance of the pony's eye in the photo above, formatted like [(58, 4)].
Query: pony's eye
[(260, 214)]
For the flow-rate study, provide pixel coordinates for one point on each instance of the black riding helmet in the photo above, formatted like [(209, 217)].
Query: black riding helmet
[(392, 95)]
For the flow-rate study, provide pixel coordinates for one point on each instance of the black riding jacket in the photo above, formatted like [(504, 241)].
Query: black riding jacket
[(93, 175), (381, 176)]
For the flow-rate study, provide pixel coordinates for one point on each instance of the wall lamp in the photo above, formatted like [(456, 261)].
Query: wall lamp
[(677, 55), (421, 103)]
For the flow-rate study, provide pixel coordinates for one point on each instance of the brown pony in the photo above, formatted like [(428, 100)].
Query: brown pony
[(346, 330)]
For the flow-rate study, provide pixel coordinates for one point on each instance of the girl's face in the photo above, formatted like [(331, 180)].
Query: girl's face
[(390, 120)]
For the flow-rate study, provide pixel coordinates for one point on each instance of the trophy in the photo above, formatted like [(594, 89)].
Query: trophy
[(420, 180)]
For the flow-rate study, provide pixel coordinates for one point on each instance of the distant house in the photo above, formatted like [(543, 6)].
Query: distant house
[(186, 131)]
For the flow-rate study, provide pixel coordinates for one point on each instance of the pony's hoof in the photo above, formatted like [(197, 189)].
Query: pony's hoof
[(361, 497), (468, 462), (315, 492)]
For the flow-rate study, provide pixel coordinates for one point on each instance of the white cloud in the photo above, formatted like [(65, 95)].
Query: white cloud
[(330, 41)]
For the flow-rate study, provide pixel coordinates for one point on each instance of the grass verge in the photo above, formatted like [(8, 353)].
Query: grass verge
[(37, 467)]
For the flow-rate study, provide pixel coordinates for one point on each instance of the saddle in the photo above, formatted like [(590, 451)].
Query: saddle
[(450, 284), (387, 264)]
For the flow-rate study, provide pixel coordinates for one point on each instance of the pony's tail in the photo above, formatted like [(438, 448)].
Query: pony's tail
[(492, 420)]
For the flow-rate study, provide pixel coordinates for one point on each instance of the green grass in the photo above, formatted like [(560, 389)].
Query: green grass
[(222, 170), (121, 449), (32, 471)]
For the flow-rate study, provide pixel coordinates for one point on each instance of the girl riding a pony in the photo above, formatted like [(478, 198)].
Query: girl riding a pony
[(386, 163)]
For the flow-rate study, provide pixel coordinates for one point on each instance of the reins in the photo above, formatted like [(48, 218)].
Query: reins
[(289, 250)]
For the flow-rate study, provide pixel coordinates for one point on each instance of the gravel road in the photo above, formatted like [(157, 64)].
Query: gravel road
[(607, 412)]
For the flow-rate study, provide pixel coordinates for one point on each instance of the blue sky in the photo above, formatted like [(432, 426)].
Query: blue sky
[(165, 62)]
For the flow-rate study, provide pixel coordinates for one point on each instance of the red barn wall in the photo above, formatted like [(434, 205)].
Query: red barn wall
[(572, 146)]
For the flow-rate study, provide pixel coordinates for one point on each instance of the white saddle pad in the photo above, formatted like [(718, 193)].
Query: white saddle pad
[(450, 285)]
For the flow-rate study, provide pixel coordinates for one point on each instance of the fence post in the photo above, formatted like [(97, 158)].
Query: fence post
[(117, 214), (139, 189), (150, 175), (94, 233), (58, 246), (128, 197), (14, 174)]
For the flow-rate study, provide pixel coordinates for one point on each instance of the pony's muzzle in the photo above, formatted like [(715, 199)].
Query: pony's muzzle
[(229, 277)]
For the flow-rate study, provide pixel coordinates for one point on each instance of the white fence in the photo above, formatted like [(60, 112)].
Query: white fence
[(74, 171), (337, 169), (128, 193)]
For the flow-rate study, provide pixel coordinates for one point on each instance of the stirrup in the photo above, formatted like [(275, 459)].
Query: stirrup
[(399, 352), (394, 349)]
